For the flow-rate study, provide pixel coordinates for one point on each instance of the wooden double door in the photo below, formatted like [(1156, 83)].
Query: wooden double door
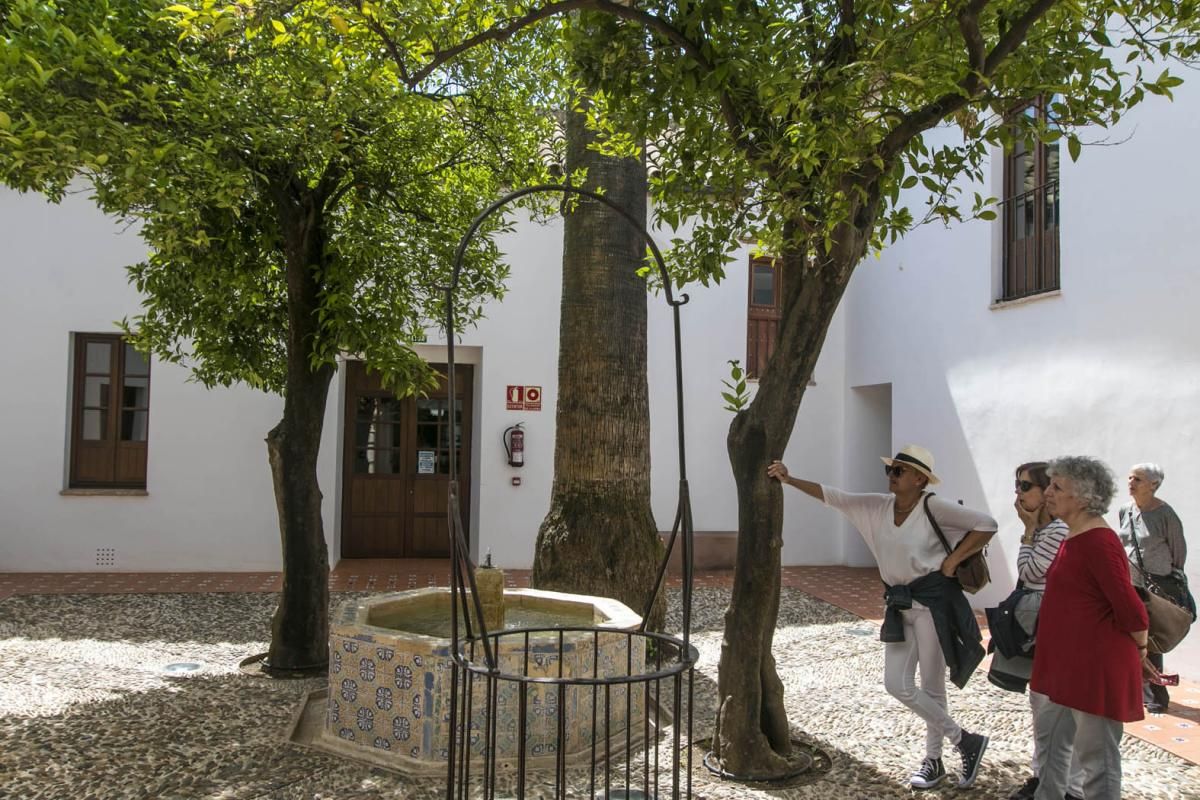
[(396, 468)]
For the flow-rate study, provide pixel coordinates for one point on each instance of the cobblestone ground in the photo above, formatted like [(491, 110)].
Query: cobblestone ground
[(86, 711)]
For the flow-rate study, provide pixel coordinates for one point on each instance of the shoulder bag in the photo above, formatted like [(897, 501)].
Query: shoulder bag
[(973, 572), (1169, 622)]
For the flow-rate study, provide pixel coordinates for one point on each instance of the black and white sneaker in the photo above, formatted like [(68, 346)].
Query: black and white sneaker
[(971, 747), (929, 774)]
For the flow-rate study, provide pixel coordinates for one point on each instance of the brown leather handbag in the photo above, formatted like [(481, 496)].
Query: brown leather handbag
[(1169, 621), (972, 573)]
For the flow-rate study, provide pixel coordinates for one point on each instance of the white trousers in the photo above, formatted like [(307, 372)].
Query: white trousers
[(928, 701), (1038, 701)]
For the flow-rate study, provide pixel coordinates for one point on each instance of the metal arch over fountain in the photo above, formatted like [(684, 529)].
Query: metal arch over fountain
[(618, 712)]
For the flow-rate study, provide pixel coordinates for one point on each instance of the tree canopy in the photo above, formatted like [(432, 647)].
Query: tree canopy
[(787, 120), (195, 118), (300, 193), (802, 125)]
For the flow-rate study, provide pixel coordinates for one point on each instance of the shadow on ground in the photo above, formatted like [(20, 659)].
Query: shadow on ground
[(86, 710)]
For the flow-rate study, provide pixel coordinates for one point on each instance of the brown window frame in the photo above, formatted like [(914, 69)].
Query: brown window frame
[(762, 321), (109, 461), (1031, 264)]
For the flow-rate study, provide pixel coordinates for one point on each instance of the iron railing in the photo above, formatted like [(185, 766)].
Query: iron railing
[(1031, 250), (570, 668)]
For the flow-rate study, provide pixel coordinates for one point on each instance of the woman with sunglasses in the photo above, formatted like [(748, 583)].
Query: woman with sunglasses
[(928, 622), (1153, 534), (1039, 545)]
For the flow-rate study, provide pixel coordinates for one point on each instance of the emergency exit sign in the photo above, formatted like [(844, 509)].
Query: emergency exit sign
[(523, 398)]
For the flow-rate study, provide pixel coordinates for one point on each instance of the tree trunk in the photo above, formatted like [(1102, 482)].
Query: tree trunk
[(600, 536), (752, 736), (300, 626)]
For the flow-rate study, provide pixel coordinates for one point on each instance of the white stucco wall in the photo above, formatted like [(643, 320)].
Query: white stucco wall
[(208, 505), (1109, 368)]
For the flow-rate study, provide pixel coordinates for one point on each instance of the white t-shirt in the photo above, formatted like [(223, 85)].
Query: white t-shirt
[(912, 549)]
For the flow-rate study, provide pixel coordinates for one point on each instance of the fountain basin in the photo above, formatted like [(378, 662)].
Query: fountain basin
[(391, 666)]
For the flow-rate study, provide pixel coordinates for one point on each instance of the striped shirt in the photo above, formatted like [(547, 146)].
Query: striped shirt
[(1034, 560)]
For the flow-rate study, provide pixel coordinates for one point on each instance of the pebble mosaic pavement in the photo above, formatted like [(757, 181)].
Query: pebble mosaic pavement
[(111, 725)]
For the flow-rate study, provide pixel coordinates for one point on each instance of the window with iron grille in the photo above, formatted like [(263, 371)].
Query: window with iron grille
[(764, 309), (1031, 202), (110, 415)]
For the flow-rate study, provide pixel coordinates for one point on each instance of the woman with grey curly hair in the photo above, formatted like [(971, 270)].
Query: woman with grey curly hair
[(1153, 537), (1091, 650)]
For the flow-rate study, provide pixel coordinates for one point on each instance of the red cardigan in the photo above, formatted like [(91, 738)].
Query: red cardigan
[(1084, 657)]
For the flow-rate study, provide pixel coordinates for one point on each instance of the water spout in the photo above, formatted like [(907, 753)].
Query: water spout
[(490, 582)]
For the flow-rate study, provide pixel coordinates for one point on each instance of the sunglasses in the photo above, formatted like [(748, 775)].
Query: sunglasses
[(1025, 486), (894, 470)]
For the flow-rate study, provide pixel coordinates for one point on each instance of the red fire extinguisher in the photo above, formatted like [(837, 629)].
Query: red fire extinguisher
[(514, 445)]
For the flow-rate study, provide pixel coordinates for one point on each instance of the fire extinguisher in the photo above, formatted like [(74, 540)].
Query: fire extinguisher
[(514, 445)]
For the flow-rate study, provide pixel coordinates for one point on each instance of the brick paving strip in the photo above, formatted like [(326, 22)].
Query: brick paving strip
[(853, 589)]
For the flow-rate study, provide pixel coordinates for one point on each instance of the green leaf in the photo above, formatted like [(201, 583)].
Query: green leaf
[(1073, 147)]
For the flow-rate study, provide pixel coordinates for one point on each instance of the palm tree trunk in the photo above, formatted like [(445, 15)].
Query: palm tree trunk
[(600, 536)]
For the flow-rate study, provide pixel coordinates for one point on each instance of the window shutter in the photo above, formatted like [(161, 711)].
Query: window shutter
[(764, 309)]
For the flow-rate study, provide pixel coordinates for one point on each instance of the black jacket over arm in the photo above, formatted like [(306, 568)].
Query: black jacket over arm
[(957, 630)]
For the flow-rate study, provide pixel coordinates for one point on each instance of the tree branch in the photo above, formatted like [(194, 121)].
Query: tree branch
[(968, 23), (388, 42), (844, 47), (969, 87), (1015, 35), (810, 32), (504, 32)]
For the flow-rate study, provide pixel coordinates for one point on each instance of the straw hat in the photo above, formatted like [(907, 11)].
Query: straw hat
[(917, 457)]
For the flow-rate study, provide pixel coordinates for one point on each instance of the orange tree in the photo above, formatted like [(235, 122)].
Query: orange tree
[(300, 197), (802, 124)]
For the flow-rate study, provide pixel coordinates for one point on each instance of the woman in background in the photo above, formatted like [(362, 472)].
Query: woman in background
[(1152, 527)]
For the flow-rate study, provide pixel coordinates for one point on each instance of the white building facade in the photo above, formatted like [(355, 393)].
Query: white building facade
[(921, 351)]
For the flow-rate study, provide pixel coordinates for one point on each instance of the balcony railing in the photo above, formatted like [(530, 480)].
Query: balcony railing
[(1031, 252)]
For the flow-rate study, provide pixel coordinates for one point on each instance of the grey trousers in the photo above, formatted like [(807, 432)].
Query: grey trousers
[(1037, 701), (1096, 743)]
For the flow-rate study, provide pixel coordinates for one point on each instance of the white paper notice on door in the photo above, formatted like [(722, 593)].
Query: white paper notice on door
[(426, 460)]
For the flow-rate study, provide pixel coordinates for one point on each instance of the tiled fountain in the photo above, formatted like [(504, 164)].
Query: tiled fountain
[(390, 667)]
